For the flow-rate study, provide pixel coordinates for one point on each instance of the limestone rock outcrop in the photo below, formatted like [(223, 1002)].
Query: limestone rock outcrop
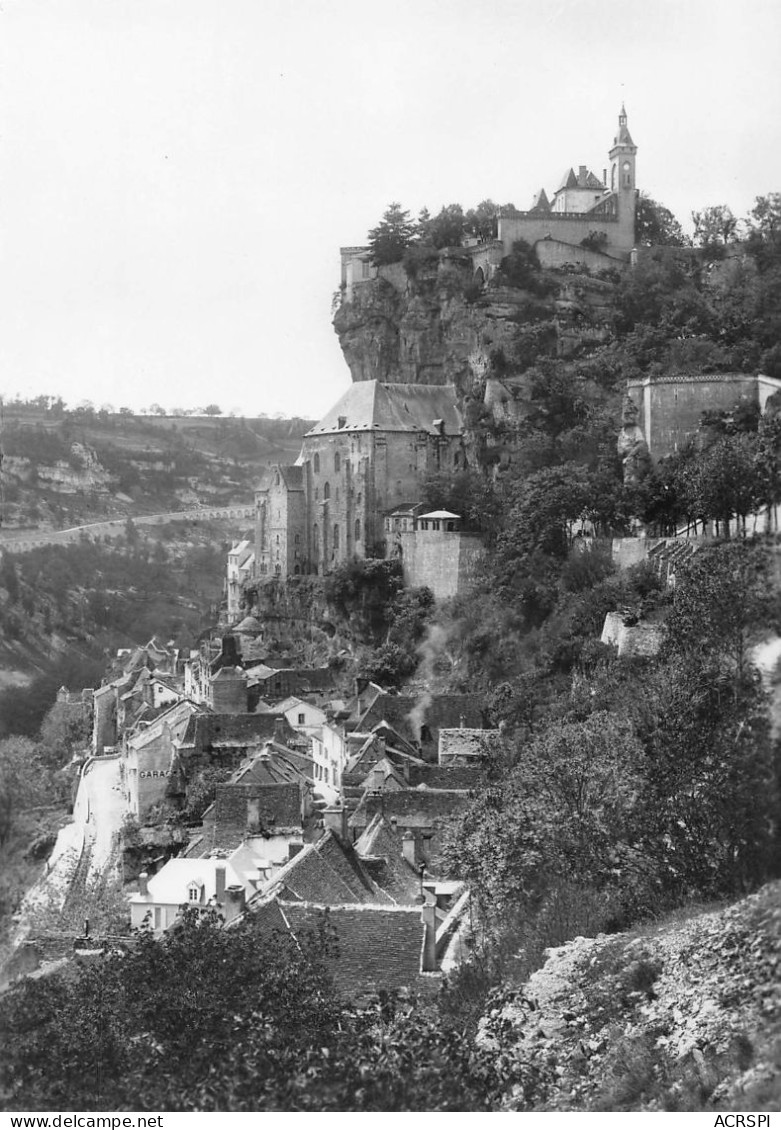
[(684, 1015), (441, 327)]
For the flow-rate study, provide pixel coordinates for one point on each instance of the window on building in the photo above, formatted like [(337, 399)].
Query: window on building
[(337, 462), (336, 535), (327, 491), (193, 892), (358, 498), (301, 719), (297, 539), (357, 529), (316, 464)]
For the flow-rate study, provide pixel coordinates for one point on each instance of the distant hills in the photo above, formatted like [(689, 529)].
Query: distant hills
[(63, 468)]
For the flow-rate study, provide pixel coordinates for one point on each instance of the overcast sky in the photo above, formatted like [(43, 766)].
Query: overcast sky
[(177, 176)]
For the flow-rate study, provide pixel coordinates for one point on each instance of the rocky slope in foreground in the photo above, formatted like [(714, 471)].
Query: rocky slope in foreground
[(685, 1015)]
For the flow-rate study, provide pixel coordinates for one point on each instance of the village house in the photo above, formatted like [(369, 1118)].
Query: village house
[(241, 562), (200, 883), (139, 691), (304, 717), (148, 754), (215, 677), (224, 741), (468, 747), (397, 925)]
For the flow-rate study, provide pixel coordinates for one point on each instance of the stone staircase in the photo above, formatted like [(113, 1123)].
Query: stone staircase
[(668, 555)]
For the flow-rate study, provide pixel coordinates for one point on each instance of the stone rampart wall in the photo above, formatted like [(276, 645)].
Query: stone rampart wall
[(671, 407), (553, 253), (447, 563)]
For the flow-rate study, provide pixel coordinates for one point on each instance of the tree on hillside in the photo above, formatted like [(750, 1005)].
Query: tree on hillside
[(208, 1019), (711, 780), (725, 478), (656, 225), (765, 217), (481, 221), (714, 227), (542, 508), (392, 235), (446, 229), (564, 814), (721, 597)]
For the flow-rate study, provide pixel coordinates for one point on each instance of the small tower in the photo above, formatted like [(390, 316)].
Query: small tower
[(622, 181)]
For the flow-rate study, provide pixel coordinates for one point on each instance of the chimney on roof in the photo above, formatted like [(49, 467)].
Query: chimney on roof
[(229, 651), (219, 882), (380, 745), (236, 897), (341, 421), (410, 849), (604, 178), (143, 883), (582, 174), (405, 768), (335, 821), (428, 917), (279, 730)]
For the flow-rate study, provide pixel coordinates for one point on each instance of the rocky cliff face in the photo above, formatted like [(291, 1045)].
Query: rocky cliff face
[(680, 1016), (441, 327)]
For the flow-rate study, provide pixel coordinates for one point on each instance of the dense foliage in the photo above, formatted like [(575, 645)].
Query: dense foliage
[(95, 597), (228, 1020)]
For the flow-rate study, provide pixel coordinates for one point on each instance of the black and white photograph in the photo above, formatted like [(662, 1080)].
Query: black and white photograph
[(390, 560)]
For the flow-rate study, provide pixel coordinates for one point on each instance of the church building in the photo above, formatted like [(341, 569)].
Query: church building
[(370, 454), (599, 210)]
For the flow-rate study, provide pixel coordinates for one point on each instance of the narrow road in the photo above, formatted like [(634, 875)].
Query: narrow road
[(20, 540), (105, 803), (85, 850)]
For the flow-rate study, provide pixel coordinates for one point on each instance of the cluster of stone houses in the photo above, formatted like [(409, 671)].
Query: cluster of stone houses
[(320, 803)]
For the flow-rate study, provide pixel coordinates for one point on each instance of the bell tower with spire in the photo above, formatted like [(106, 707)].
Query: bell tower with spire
[(622, 179)]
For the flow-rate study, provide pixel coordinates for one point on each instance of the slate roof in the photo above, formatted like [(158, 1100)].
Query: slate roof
[(279, 806), (329, 873), (250, 626), (169, 885), (213, 731), (292, 476), (623, 137), (412, 808), (446, 776), (274, 765), (468, 743), (178, 717), (382, 843), (587, 179), (540, 202), (442, 711), (379, 947), (373, 406)]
